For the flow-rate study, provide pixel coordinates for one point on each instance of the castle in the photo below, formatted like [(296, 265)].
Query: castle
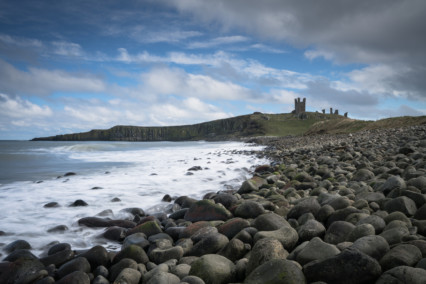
[(300, 109)]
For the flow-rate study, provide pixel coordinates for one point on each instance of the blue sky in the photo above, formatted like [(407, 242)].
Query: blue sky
[(72, 66)]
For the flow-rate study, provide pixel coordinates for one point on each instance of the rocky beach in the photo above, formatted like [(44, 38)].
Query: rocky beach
[(327, 209)]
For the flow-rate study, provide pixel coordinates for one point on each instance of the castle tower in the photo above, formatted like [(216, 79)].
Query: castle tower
[(299, 106)]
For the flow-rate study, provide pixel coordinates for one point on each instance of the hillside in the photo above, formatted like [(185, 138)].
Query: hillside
[(256, 124), (252, 125), (352, 125)]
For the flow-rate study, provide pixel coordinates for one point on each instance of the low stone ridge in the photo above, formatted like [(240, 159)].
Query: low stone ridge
[(327, 209)]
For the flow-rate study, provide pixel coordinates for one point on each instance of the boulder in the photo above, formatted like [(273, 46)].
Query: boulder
[(308, 205), (128, 276), (76, 264), (403, 274), (163, 277), (377, 222), (402, 204), (207, 210), (252, 184), (276, 271), (234, 250), (363, 175), (213, 269), (249, 209), (232, 227), (97, 256), (75, 277), (264, 250), (17, 245), (316, 249), (159, 255), (210, 244), (338, 232), (350, 266), (360, 231), (403, 254), (270, 222), (115, 269), (148, 228), (311, 229), (286, 235), (374, 246), (133, 252)]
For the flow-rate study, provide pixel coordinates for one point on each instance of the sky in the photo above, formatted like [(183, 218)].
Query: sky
[(73, 66)]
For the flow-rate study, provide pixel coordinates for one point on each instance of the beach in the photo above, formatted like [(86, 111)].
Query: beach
[(333, 208)]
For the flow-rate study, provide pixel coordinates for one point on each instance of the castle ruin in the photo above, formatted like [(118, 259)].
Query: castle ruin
[(300, 109), (299, 106)]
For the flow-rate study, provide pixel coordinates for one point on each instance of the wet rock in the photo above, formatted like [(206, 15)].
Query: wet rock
[(159, 255), (264, 250), (249, 209), (97, 256), (270, 222), (75, 277), (286, 235), (251, 185), (350, 266), (115, 269), (213, 268), (210, 244), (58, 229), (76, 264), (403, 274), (276, 271), (128, 276), (207, 210), (115, 233), (374, 246), (79, 202), (232, 227), (58, 258), (99, 279), (138, 239), (22, 270), (133, 252), (185, 201), (403, 254), (51, 205), (148, 228), (17, 245), (226, 199), (93, 222), (316, 249)]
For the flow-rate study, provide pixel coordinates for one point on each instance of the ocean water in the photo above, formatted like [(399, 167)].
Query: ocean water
[(32, 174)]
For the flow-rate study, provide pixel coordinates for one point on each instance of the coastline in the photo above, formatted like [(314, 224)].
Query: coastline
[(324, 200)]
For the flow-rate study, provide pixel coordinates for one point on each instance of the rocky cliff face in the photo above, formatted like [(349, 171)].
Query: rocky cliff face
[(231, 128)]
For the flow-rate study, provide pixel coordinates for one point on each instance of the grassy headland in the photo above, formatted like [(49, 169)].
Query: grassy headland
[(245, 126)]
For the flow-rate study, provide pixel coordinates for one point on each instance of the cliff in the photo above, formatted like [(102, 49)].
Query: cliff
[(257, 124)]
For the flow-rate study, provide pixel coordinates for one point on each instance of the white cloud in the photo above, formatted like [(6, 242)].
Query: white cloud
[(64, 48), (37, 81), (218, 41), (22, 109)]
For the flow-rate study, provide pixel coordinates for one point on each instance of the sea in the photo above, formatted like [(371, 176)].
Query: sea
[(109, 177)]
